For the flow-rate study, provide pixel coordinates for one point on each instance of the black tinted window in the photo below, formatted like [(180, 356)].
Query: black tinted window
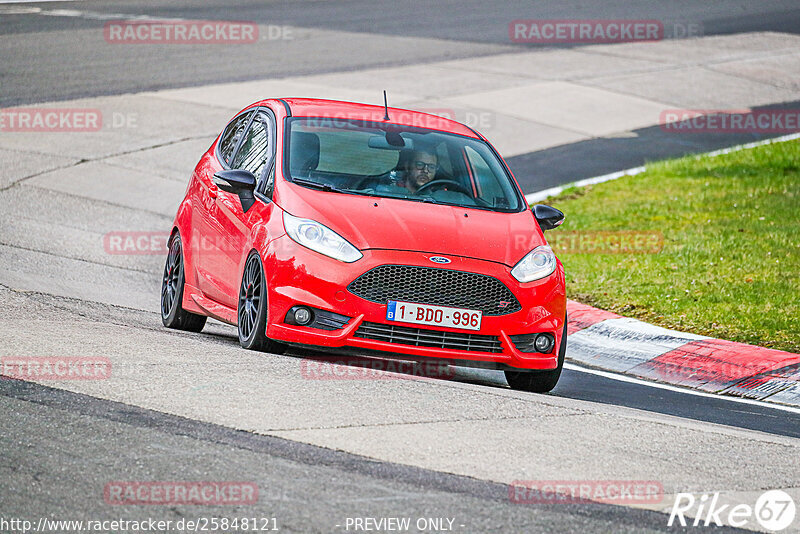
[(231, 135), (256, 147)]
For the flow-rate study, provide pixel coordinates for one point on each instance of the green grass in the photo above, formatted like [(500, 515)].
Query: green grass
[(730, 263)]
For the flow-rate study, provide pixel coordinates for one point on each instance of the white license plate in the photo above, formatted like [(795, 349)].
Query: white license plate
[(410, 312)]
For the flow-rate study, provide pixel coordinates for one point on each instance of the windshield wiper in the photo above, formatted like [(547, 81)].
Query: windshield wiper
[(425, 199), (475, 206), (316, 185)]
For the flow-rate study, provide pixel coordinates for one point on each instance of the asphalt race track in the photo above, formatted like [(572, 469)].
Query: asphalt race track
[(197, 407), (328, 37), (444, 29)]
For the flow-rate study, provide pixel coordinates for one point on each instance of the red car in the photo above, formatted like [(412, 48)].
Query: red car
[(367, 228)]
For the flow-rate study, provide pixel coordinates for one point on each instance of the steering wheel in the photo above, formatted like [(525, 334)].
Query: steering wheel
[(442, 183)]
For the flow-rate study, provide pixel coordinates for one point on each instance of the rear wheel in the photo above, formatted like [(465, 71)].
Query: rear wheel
[(172, 314), (252, 309), (539, 381)]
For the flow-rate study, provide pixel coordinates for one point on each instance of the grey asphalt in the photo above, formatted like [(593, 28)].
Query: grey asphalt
[(397, 33), (60, 449), (347, 36), (584, 386), (563, 164)]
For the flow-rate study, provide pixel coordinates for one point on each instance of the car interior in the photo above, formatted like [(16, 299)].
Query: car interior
[(373, 162)]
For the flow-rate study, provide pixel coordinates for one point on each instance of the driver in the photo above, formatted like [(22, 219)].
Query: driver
[(420, 167)]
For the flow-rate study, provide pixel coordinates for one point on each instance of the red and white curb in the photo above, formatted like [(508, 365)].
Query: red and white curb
[(605, 340)]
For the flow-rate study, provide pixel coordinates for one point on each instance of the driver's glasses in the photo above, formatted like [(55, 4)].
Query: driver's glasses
[(430, 167)]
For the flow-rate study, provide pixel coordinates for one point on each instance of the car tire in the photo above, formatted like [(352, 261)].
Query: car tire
[(251, 311), (172, 313), (539, 381)]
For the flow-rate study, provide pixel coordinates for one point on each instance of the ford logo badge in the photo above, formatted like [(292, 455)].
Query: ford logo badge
[(439, 259)]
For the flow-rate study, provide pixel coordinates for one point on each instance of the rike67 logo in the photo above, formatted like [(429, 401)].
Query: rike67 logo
[(774, 510)]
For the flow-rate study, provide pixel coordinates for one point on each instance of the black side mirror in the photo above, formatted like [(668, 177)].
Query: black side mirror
[(239, 182), (547, 217)]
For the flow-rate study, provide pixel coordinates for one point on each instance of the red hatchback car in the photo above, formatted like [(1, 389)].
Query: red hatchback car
[(345, 225)]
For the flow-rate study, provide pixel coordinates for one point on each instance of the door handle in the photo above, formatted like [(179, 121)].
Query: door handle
[(213, 190)]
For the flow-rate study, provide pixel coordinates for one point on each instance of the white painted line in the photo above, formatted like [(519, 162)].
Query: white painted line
[(541, 195), (658, 385), (538, 196), (781, 139), (74, 13)]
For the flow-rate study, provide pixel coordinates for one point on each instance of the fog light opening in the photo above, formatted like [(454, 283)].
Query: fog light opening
[(302, 315), (544, 343)]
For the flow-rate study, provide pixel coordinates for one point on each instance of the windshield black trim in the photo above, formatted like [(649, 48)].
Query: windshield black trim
[(288, 120), (286, 106)]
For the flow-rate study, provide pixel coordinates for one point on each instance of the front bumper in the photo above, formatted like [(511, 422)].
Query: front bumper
[(299, 276)]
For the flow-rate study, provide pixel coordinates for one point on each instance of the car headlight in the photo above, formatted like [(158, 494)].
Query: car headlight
[(320, 238), (536, 264)]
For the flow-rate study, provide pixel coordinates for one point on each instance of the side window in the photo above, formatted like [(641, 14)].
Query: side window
[(231, 136), (486, 181), (255, 150)]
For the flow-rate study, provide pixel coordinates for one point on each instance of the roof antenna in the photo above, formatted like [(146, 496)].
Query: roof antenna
[(385, 107)]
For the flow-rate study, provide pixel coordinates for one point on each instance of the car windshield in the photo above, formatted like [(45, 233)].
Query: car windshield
[(394, 161)]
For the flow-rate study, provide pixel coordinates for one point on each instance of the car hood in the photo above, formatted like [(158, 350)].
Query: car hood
[(385, 223)]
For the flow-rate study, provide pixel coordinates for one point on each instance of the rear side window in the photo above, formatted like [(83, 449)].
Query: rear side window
[(256, 148), (231, 136)]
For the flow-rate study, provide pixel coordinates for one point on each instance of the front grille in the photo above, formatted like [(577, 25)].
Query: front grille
[(440, 287), (420, 337)]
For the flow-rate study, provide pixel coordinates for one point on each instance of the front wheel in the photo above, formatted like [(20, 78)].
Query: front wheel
[(540, 381), (252, 309), (172, 313)]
